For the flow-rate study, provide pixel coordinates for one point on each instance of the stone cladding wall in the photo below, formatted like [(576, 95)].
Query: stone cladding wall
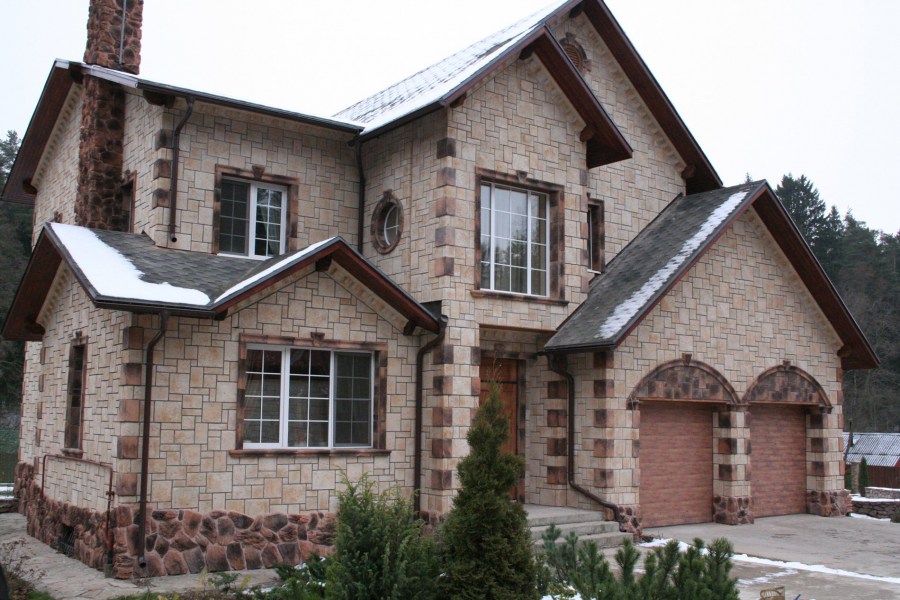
[(887, 508), (882, 492)]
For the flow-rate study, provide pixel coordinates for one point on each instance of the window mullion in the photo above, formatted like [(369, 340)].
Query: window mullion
[(528, 218), (331, 391), (251, 221), (284, 401), (493, 235)]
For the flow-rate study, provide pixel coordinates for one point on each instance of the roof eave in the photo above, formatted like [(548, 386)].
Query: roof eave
[(857, 352), (21, 320), (700, 176), (18, 189)]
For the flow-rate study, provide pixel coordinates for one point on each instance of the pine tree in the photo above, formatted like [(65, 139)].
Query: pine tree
[(485, 543), (801, 200), (863, 476)]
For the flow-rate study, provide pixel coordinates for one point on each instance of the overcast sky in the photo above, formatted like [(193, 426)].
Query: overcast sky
[(767, 87)]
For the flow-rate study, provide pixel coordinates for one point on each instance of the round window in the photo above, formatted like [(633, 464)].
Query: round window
[(387, 223)]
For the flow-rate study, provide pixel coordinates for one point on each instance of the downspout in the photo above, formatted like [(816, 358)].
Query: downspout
[(570, 422), (145, 453), (361, 207), (417, 460), (173, 188)]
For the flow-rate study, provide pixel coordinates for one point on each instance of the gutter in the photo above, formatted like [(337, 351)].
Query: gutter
[(145, 452), (173, 188), (560, 369), (417, 451), (361, 207)]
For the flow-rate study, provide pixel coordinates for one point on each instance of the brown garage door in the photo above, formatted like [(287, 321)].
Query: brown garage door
[(676, 463), (777, 459)]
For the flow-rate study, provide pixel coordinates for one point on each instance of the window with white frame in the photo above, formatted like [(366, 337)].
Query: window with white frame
[(514, 232), (307, 398), (252, 218)]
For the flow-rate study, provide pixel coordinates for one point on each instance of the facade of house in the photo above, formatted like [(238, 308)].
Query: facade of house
[(231, 307)]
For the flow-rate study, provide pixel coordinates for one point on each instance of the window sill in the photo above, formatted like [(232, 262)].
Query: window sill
[(272, 452), (522, 297), (73, 452)]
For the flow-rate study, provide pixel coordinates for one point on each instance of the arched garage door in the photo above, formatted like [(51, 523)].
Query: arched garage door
[(676, 463), (777, 459)]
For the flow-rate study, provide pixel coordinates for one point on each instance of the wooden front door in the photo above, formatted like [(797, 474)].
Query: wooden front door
[(505, 373)]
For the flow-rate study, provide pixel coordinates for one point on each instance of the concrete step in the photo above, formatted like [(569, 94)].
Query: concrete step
[(554, 515), (612, 539), (581, 529)]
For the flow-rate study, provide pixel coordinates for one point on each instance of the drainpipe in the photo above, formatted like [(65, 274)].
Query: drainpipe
[(361, 208), (417, 461), (145, 453), (173, 189), (560, 369)]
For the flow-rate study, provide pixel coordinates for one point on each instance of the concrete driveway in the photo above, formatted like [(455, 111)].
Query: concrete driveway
[(815, 557)]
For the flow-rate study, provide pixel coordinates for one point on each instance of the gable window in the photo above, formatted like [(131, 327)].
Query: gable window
[(596, 236), (307, 398), (75, 397), (252, 218), (387, 223), (515, 232)]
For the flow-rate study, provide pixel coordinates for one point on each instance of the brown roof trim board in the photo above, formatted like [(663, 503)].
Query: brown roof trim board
[(700, 174), (18, 188), (856, 352), (21, 322)]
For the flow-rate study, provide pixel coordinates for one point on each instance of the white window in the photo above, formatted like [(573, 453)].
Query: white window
[(307, 398), (514, 234), (252, 218)]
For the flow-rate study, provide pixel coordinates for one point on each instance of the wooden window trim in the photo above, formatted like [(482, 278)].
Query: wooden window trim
[(79, 343), (258, 175), (127, 191), (555, 212), (379, 352)]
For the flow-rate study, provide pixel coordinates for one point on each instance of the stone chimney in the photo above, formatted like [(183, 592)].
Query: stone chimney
[(98, 202)]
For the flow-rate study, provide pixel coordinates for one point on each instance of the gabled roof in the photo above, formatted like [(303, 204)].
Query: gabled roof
[(64, 73), (125, 271), (446, 82), (879, 449), (656, 259)]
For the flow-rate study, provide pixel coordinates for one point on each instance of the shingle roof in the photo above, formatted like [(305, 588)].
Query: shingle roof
[(125, 271), (440, 80), (880, 449), (645, 269)]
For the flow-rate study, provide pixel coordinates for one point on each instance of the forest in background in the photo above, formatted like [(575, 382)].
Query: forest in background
[(860, 261)]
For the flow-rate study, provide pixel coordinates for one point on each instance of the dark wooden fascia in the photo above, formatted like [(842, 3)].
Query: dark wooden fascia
[(705, 177), (21, 321), (606, 143), (856, 353)]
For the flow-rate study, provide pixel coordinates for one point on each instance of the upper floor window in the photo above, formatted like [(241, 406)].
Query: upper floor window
[(387, 223), (596, 236), (252, 218), (75, 395), (307, 398), (515, 229)]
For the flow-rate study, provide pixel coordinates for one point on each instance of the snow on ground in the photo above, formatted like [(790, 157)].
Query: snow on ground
[(858, 498), (859, 516), (628, 309), (113, 275), (791, 565)]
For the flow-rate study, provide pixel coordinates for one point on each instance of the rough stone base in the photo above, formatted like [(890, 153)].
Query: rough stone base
[(834, 503), (886, 508), (177, 541), (732, 510), (630, 521)]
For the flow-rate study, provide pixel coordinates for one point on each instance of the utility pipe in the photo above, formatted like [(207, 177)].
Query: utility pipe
[(145, 453), (570, 422), (417, 460), (173, 188)]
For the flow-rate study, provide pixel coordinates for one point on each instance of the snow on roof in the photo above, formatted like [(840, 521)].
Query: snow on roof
[(626, 311), (440, 79), (880, 449), (113, 275), (277, 266)]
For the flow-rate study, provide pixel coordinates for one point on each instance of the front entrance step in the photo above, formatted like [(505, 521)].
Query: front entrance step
[(589, 525)]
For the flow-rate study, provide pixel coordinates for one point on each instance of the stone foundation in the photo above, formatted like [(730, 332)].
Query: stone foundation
[(732, 510), (630, 521), (834, 503), (882, 492), (178, 541), (879, 508)]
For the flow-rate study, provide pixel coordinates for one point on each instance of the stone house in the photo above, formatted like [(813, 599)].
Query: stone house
[(230, 307)]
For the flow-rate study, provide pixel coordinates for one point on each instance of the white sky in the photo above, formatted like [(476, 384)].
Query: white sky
[(767, 87)]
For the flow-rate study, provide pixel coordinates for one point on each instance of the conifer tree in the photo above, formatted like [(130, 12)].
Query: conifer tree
[(863, 476), (485, 544)]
